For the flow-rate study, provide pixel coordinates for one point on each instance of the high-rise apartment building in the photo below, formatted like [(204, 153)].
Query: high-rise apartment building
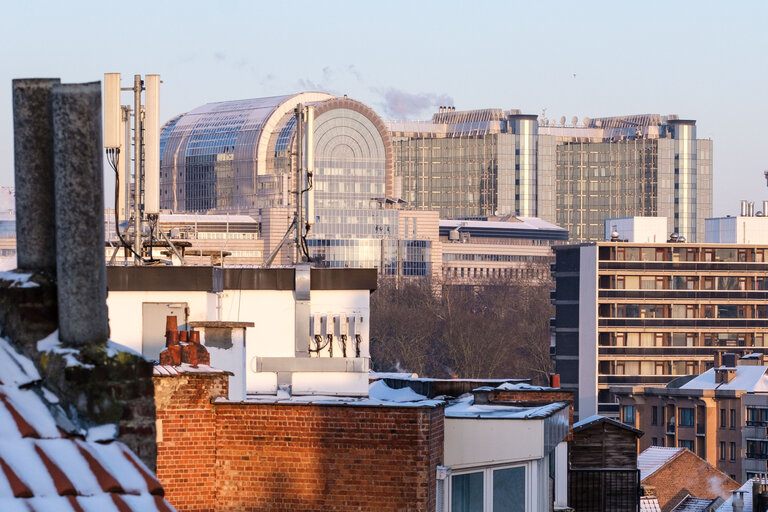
[(641, 314)]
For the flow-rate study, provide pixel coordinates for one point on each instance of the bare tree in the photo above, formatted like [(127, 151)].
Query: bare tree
[(496, 328)]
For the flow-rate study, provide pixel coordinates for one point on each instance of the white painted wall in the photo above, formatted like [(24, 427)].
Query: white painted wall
[(588, 331), (482, 442), (736, 230), (125, 315), (273, 313), (638, 229)]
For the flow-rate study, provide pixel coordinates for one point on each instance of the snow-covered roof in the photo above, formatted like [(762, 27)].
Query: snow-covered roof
[(517, 223), (596, 418), (649, 504), (747, 496), (203, 219), (43, 468), (653, 458), (166, 370), (747, 378), (466, 408), (523, 386), (693, 504)]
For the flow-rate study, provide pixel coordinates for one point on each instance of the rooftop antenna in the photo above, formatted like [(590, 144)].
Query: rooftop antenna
[(304, 214), (146, 159)]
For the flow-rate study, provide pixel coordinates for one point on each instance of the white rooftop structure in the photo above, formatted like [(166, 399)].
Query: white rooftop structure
[(638, 229), (736, 230)]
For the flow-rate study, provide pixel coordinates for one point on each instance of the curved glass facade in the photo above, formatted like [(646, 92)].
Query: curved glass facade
[(210, 157)]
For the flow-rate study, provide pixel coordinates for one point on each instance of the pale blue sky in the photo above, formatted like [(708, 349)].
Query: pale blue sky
[(701, 60)]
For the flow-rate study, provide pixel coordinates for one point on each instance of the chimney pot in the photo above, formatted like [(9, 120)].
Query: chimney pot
[(171, 323), (171, 338), (194, 337), (183, 336)]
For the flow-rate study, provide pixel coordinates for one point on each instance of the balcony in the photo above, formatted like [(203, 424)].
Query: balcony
[(757, 455), (681, 323), (700, 430), (670, 428), (694, 266), (684, 294)]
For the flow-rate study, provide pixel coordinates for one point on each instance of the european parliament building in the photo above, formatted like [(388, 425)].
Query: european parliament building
[(240, 157)]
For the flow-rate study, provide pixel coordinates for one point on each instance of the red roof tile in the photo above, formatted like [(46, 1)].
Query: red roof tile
[(43, 469)]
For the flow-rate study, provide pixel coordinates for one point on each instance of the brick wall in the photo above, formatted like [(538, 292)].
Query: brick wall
[(186, 438), (688, 474), (242, 457)]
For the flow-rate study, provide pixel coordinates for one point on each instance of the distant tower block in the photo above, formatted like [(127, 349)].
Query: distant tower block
[(765, 173)]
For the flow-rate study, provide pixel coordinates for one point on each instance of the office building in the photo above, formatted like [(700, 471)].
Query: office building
[(492, 162), (720, 415), (644, 314), (239, 157)]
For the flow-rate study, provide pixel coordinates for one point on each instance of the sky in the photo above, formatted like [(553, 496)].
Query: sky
[(701, 60)]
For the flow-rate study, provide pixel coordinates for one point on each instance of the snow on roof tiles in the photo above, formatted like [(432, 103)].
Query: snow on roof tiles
[(167, 370), (748, 378), (649, 504), (692, 504), (653, 458), (44, 469)]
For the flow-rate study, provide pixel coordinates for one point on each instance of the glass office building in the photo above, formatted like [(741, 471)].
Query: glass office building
[(481, 163), (240, 157)]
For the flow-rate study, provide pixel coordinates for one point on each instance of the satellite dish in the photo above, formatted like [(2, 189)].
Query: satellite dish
[(598, 123), (586, 122), (575, 120), (562, 120)]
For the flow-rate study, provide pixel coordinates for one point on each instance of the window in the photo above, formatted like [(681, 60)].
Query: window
[(757, 416), (628, 415), (686, 416), (722, 418), (722, 450), (489, 490), (655, 441), (654, 417), (685, 443), (733, 418), (733, 451)]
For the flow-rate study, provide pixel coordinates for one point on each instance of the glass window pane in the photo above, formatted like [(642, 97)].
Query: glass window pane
[(467, 493), (509, 490)]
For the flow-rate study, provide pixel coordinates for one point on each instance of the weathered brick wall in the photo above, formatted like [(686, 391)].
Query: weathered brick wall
[(294, 457), (186, 439), (689, 474)]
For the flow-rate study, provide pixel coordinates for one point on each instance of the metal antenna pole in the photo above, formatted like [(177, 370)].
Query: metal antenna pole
[(137, 85), (299, 181)]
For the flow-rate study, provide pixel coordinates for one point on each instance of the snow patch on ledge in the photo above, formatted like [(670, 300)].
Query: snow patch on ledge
[(52, 344), (18, 279), (102, 433), (379, 390), (114, 348)]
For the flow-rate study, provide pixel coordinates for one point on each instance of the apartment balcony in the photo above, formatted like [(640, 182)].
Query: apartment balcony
[(741, 295), (692, 266), (656, 351), (670, 428), (757, 455), (755, 430), (686, 323), (700, 430)]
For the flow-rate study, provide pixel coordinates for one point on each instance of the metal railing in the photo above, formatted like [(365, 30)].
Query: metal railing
[(598, 490)]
